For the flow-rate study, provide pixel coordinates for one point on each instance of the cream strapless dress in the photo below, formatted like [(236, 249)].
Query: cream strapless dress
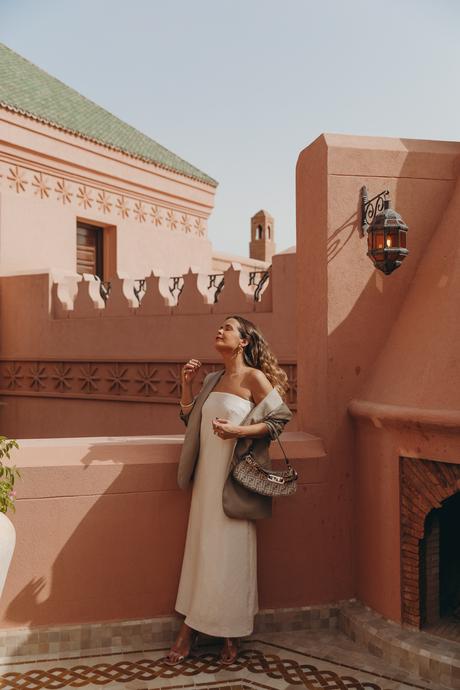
[(218, 583)]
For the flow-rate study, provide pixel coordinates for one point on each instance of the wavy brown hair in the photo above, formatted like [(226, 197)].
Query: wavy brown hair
[(258, 354)]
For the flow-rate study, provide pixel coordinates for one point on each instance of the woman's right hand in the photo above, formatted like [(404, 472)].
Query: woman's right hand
[(190, 370)]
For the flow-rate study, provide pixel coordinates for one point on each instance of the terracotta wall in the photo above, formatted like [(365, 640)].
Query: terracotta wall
[(347, 311), (408, 406), (73, 365), (362, 343), (101, 528)]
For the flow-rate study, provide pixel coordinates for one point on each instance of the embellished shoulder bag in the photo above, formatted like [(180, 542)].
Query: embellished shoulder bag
[(250, 474)]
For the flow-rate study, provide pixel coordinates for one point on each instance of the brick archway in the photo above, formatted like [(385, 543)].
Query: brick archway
[(424, 484)]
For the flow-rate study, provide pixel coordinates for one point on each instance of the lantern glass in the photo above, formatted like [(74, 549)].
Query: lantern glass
[(392, 237), (376, 244)]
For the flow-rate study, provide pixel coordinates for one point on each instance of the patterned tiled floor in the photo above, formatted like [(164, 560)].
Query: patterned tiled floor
[(312, 659)]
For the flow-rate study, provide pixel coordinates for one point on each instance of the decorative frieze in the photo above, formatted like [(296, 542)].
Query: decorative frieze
[(17, 179), (63, 192), (41, 185), (105, 380), (86, 196)]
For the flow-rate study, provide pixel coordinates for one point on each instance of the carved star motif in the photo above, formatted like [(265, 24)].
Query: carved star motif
[(117, 378), (89, 378), (199, 226), (171, 220), (62, 376), (103, 201), (41, 186), (84, 197), (186, 223), (63, 192), (122, 207), (37, 375), (147, 379), (175, 379), (156, 215), (13, 374), (17, 179), (140, 212)]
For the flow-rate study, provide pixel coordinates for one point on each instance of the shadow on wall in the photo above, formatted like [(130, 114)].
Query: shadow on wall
[(123, 557), (116, 546), (364, 304), (363, 310), (342, 235), (383, 328)]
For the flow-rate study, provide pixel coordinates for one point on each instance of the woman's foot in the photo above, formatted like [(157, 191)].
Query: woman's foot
[(183, 645), (229, 650)]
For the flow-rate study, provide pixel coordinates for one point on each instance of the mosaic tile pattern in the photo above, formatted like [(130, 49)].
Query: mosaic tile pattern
[(347, 634), (132, 635), (260, 664), (430, 657)]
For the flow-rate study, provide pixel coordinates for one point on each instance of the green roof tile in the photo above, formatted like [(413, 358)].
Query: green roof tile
[(27, 89)]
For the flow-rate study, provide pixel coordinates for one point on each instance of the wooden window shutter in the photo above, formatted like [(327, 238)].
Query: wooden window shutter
[(90, 249)]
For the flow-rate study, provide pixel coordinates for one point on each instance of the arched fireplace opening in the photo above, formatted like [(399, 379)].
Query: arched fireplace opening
[(430, 545), (439, 567)]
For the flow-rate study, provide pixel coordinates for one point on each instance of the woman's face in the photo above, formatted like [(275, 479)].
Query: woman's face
[(228, 336)]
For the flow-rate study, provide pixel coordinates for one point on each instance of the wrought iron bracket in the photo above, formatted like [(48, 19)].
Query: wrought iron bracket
[(370, 207)]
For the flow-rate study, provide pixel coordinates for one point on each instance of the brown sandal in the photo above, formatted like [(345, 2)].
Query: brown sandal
[(230, 651), (170, 662)]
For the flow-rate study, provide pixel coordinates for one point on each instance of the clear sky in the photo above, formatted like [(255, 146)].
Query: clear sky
[(240, 87)]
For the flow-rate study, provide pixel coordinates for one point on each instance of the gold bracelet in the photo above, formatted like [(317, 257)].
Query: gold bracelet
[(186, 405)]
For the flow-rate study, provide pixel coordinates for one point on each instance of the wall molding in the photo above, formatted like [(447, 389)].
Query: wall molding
[(141, 381), (86, 195)]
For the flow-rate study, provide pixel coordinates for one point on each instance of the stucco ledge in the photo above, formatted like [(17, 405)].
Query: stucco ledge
[(386, 415)]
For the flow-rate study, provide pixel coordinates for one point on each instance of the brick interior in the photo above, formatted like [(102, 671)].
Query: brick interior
[(424, 485)]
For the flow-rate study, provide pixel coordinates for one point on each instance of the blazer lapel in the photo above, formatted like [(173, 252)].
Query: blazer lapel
[(191, 445), (207, 388)]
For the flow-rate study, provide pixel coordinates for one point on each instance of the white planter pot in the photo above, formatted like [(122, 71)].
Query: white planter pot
[(7, 543)]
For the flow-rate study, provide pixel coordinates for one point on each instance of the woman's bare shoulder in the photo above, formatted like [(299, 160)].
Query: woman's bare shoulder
[(259, 384)]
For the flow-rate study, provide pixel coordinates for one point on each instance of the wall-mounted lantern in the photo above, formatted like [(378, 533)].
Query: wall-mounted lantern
[(386, 231)]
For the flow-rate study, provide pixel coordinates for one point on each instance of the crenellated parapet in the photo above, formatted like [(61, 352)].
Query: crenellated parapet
[(234, 290), (102, 348)]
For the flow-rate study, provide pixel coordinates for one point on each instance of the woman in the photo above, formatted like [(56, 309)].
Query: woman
[(238, 407)]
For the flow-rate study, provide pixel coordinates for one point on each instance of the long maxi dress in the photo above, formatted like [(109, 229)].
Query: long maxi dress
[(218, 583)]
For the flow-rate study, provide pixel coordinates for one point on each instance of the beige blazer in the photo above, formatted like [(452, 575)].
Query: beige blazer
[(237, 502)]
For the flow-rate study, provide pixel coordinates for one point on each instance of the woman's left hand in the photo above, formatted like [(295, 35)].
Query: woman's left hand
[(225, 429)]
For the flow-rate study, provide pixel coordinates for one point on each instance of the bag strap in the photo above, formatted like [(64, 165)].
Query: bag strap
[(284, 453)]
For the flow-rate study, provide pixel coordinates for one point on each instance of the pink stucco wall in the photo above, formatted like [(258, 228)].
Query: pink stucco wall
[(101, 526), (49, 179), (409, 405), (41, 337), (357, 348), (377, 378)]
